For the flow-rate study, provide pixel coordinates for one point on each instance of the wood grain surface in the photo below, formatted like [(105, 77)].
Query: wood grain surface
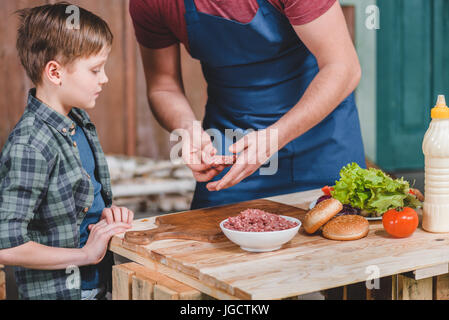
[(2, 284), (204, 224), (308, 263)]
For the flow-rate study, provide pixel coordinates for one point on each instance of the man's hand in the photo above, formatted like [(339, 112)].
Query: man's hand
[(200, 156), (254, 149)]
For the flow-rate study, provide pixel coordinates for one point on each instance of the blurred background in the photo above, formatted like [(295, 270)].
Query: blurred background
[(400, 43)]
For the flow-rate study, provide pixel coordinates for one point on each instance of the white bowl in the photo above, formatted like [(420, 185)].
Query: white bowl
[(261, 241)]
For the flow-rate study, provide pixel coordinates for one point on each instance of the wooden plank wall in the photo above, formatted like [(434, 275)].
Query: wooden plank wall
[(122, 115)]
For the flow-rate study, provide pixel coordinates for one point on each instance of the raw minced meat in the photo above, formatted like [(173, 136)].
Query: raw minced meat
[(256, 220)]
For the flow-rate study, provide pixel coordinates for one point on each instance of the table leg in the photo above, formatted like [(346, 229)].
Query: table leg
[(441, 287), (131, 281), (2, 284), (406, 288)]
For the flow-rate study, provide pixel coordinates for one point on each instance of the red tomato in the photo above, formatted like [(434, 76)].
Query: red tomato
[(327, 190), (402, 223)]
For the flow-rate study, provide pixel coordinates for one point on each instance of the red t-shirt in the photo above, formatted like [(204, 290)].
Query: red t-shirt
[(161, 23)]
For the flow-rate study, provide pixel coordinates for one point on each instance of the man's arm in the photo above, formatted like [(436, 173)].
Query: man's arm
[(165, 89), (169, 105), (328, 39)]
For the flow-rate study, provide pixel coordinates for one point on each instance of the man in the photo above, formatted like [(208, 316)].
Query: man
[(284, 68)]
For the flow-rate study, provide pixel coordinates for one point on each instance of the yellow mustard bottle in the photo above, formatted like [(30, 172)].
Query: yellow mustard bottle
[(436, 176)]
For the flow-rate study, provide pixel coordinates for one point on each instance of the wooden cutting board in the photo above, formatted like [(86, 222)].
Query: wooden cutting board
[(204, 224)]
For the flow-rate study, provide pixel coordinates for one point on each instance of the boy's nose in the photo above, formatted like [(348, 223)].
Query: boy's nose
[(105, 79)]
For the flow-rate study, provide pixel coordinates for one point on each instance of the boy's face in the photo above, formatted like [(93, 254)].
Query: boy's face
[(82, 81)]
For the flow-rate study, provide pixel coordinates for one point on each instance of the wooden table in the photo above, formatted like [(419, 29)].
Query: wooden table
[(309, 263), (2, 284)]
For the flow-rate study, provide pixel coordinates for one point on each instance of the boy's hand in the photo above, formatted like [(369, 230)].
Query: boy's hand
[(117, 214), (100, 234)]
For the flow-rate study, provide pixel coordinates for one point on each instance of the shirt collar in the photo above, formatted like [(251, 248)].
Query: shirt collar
[(81, 118), (53, 118)]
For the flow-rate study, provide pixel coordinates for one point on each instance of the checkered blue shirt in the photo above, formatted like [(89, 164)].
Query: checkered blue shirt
[(45, 192)]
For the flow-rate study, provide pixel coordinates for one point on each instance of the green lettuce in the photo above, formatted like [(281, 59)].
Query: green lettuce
[(372, 191)]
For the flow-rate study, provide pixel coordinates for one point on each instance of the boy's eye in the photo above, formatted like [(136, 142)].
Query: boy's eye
[(95, 71)]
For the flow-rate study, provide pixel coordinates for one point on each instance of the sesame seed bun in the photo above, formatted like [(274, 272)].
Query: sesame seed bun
[(346, 227), (320, 214)]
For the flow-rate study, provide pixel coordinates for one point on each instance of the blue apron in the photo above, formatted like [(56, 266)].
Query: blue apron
[(256, 72)]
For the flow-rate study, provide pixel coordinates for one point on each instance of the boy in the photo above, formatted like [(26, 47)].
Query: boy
[(54, 181)]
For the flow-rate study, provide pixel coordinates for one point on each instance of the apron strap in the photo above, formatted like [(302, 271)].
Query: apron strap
[(191, 12), (263, 5)]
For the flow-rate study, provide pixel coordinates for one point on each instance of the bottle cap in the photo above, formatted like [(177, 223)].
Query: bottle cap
[(440, 111)]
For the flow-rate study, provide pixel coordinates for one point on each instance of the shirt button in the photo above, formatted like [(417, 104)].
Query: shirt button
[(74, 144), (64, 130), (85, 210)]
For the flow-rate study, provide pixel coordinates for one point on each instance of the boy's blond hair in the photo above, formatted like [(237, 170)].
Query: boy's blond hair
[(45, 34)]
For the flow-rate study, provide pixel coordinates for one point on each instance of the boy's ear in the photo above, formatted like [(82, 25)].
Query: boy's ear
[(52, 72)]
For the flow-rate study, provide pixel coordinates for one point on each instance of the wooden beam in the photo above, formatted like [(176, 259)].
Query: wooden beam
[(2, 284), (130, 73), (208, 292), (441, 287), (132, 281), (122, 282), (437, 270), (163, 293), (407, 288), (142, 288)]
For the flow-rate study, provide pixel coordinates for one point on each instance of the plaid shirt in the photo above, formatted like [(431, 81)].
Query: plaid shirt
[(45, 192)]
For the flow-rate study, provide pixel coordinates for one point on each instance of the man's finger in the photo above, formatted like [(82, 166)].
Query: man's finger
[(205, 138), (200, 167), (235, 181), (206, 175), (221, 167), (211, 186), (241, 177), (240, 145), (233, 173), (208, 153)]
